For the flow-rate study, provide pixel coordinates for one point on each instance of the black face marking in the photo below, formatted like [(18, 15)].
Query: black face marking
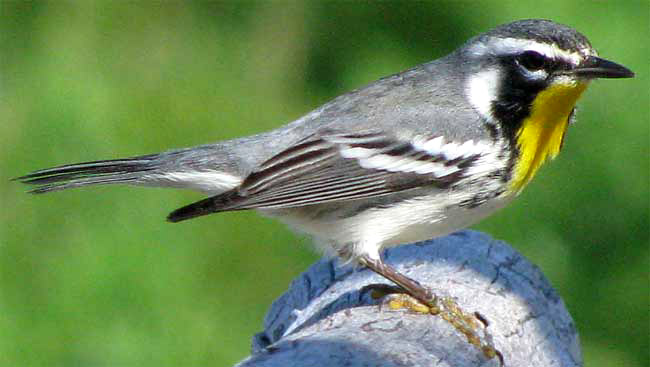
[(528, 72), (532, 60), (516, 95), (524, 75), (523, 79)]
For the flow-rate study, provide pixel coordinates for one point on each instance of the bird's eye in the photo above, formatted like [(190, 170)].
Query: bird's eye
[(532, 60)]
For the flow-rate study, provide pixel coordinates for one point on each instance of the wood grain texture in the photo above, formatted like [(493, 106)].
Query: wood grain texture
[(325, 319)]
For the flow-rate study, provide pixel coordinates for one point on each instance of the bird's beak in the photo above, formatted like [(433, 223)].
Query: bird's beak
[(595, 67)]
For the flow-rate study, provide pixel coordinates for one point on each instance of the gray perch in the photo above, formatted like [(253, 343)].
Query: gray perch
[(324, 319)]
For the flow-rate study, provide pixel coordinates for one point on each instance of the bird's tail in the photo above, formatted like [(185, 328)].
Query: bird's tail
[(115, 171)]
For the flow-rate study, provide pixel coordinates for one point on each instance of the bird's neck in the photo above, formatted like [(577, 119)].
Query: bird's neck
[(540, 135)]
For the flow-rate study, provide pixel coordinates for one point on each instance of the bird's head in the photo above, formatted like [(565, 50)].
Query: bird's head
[(525, 78)]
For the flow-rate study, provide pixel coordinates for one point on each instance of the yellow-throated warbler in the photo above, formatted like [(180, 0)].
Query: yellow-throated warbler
[(409, 157)]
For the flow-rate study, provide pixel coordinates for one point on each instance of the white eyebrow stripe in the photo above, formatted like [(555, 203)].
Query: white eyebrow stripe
[(504, 46)]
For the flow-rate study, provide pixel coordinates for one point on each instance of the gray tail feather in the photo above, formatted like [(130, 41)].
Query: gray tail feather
[(126, 170)]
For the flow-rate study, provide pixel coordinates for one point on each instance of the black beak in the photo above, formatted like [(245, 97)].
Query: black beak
[(595, 67)]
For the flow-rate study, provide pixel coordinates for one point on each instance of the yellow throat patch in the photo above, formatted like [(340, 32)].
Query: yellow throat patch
[(540, 135)]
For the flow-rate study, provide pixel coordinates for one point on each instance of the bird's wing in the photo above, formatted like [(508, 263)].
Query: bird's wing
[(343, 166)]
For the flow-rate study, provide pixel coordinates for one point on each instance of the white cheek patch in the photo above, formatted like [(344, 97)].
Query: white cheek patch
[(482, 90)]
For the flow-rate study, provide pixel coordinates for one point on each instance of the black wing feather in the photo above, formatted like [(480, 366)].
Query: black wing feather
[(315, 172)]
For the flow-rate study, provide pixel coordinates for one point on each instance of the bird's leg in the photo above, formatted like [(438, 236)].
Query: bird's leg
[(411, 286), (420, 299)]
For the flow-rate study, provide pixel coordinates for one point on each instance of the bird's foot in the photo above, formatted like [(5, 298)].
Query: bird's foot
[(472, 325)]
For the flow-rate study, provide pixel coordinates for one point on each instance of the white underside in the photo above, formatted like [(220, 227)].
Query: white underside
[(346, 227), (410, 221)]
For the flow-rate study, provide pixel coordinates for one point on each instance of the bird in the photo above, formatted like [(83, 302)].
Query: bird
[(409, 157)]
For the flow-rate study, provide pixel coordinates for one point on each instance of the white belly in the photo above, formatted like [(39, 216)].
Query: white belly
[(366, 233)]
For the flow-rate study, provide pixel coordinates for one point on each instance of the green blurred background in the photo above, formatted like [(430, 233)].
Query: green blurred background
[(96, 277)]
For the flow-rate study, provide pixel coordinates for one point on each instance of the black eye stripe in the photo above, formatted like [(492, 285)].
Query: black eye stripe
[(532, 60)]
